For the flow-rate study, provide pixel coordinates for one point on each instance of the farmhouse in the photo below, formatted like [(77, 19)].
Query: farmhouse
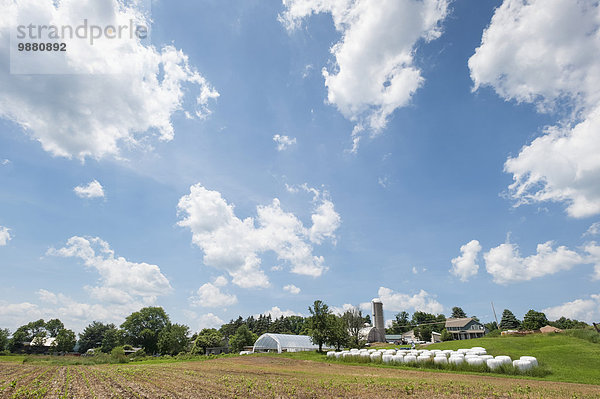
[(465, 328), (41, 345), (284, 343)]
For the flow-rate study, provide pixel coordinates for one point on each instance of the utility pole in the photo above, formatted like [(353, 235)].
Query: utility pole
[(495, 317), (597, 327)]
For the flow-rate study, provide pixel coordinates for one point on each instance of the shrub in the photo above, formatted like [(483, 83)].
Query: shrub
[(118, 354), (587, 334)]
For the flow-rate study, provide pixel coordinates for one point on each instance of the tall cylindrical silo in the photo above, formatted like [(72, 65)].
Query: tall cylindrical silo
[(378, 323)]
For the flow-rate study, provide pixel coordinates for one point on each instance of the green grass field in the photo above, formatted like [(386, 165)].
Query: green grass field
[(562, 357), (568, 359)]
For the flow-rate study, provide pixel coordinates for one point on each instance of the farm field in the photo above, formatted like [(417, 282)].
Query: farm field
[(265, 376)]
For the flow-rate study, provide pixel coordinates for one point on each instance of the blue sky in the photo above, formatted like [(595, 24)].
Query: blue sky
[(257, 156)]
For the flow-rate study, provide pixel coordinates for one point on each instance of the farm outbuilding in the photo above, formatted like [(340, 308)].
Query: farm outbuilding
[(284, 343)]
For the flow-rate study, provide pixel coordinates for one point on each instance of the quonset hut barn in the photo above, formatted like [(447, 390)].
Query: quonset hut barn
[(284, 343)]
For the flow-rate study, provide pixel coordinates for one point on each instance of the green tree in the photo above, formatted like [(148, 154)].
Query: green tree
[(227, 330), (4, 334), (509, 321), (208, 338), (353, 322), (93, 335), (112, 338), (143, 327), (65, 340), (338, 335), (458, 313), (567, 324), (446, 336), (242, 337), (401, 323), (491, 326), (53, 327), (174, 339), (39, 340), (534, 320), (25, 334), (319, 322), (425, 323)]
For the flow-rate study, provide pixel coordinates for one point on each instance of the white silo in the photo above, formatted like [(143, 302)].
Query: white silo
[(378, 323)]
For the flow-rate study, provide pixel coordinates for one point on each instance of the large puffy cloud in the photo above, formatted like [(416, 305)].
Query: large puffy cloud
[(275, 312), (374, 72), (465, 265), (120, 278), (506, 264), (234, 245), (5, 236), (581, 309), (210, 296), (115, 93), (547, 52), (397, 302)]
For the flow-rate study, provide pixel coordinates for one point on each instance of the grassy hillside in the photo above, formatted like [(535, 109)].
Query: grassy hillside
[(568, 358)]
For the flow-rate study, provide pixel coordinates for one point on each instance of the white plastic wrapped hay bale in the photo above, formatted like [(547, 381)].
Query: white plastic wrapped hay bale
[(504, 359), (486, 357), (387, 358), (522, 365), (338, 355), (440, 360), (398, 359), (390, 352), (456, 360), (331, 354), (493, 364), (365, 355), (372, 350), (463, 351), (346, 355), (354, 350), (474, 361), (424, 359), (375, 356), (410, 359), (448, 351), (533, 360)]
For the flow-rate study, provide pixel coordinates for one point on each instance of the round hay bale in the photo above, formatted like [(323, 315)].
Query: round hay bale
[(387, 358), (486, 357), (423, 359), (493, 364), (522, 365), (474, 361), (338, 355), (410, 359), (456, 360), (398, 359), (504, 359), (331, 354), (532, 360), (440, 360)]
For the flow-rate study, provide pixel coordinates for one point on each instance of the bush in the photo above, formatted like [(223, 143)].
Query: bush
[(494, 334), (587, 334), (118, 354)]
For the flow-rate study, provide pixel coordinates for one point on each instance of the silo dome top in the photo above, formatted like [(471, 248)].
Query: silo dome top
[(376, 300)]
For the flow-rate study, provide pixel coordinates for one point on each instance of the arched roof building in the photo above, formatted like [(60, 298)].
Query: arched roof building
[(284, 343)]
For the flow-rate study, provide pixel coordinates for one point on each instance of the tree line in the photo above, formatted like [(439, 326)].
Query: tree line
[(151, 330)]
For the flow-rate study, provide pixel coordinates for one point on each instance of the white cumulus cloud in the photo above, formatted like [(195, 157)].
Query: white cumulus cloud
[(547, 52), (92, 190), (587, 309), (283, 142), (210, 320), (397, 302), (292, 289), (5, 236), (119, 277), (113, 94), (374, 72), (235, 245), (465, 265), (506, 264), (210, 296)]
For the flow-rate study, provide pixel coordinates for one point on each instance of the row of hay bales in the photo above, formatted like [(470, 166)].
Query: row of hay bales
[(475, 357)]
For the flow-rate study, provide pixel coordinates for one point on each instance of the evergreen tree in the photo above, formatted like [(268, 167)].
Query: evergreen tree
[(509, 321), (534, 320), (458, 313)]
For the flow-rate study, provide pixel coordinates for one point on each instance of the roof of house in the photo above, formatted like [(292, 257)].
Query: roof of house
[(458, 322)]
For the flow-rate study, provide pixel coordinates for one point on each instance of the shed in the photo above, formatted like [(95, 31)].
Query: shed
[(284, 343)]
